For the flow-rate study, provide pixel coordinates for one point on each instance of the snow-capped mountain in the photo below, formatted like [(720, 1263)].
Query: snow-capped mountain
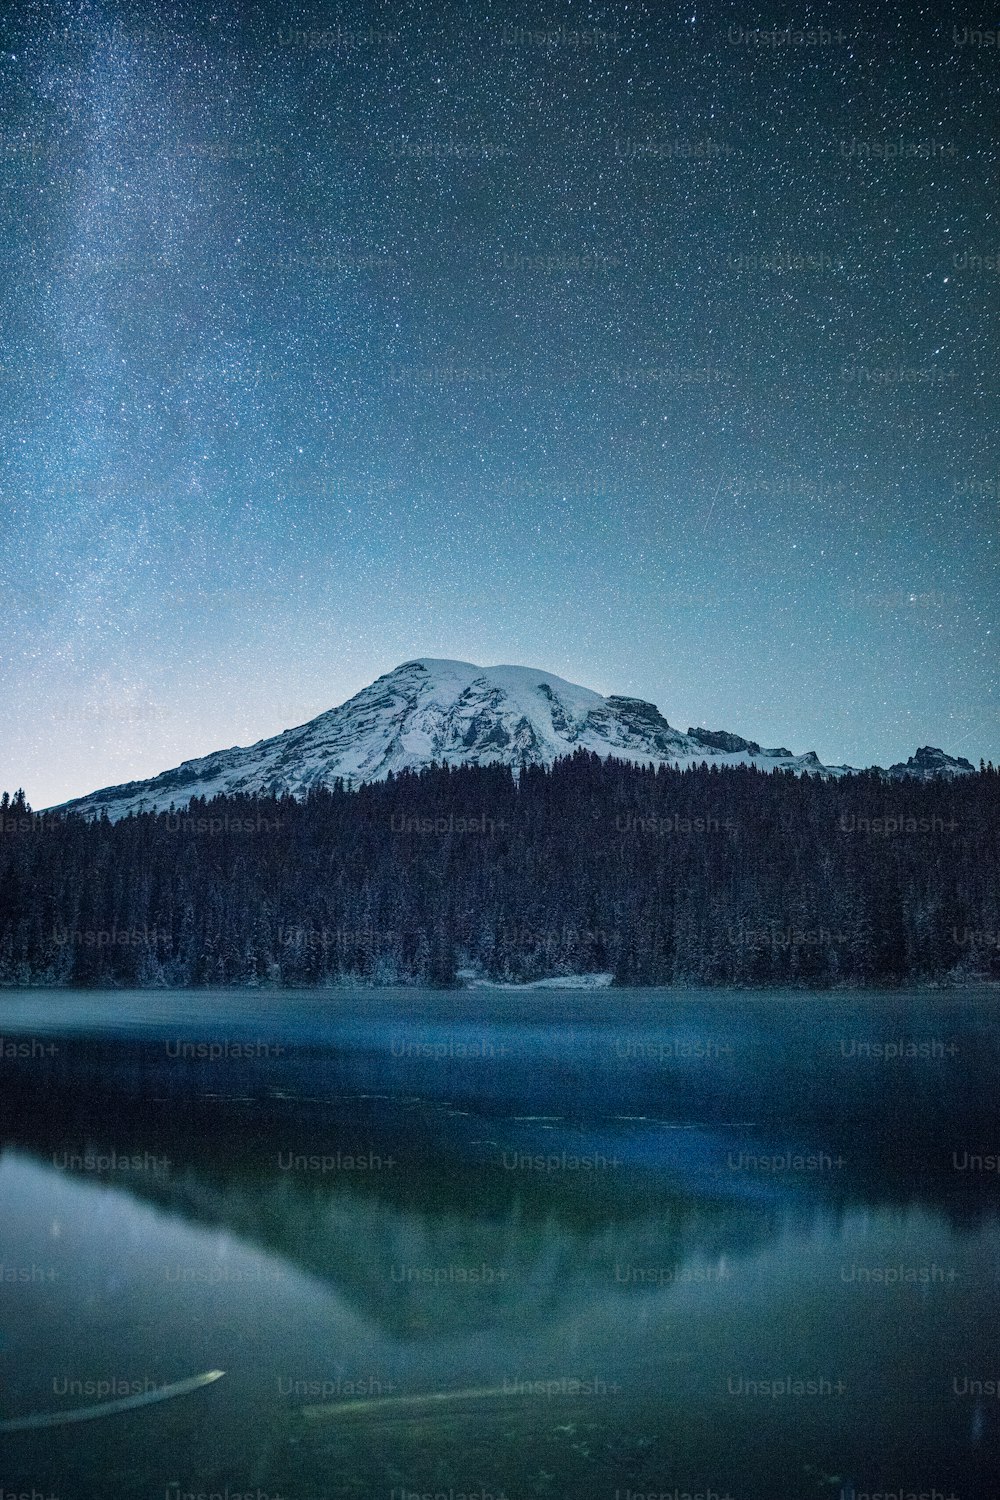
[(452, 711), (929, 762)]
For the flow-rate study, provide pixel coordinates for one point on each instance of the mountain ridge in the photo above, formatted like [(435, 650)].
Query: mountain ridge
[(431, 710)]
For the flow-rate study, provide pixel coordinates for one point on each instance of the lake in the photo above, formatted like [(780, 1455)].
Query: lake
[(495, 1243)]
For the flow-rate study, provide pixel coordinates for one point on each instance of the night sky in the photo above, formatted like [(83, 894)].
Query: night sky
[(619, 340)]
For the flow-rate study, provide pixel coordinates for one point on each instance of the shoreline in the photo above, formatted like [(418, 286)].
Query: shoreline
[(559, 984)]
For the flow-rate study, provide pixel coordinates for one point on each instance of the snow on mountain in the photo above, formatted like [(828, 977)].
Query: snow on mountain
[(454, 711), (929, 762)]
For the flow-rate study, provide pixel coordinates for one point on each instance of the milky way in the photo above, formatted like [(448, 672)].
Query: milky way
[(652, 345)]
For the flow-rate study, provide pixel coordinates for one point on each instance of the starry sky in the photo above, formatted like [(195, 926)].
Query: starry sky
[(651, 344)]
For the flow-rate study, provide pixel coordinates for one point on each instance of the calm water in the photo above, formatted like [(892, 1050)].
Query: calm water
[(670, 1243)]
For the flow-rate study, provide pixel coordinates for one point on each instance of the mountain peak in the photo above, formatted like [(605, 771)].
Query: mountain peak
[(433, 709), (930, 761)]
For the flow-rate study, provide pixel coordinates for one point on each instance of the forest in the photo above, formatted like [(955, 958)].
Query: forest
[(715, 876)]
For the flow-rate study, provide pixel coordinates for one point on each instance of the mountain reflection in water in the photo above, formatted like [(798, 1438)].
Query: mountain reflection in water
[(622, 1218)]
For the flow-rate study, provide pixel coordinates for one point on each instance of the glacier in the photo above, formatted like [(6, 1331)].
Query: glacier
[(439, 711)]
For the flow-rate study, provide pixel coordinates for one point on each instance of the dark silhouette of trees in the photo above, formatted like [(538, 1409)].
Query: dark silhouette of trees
[(708, 876)]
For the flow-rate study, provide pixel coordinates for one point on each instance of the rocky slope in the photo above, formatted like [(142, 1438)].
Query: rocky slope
[(430, 710)]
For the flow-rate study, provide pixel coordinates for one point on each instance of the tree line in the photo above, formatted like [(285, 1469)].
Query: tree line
[(658, 876)]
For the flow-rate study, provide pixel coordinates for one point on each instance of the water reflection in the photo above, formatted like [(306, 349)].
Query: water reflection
[(335, 1223)]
